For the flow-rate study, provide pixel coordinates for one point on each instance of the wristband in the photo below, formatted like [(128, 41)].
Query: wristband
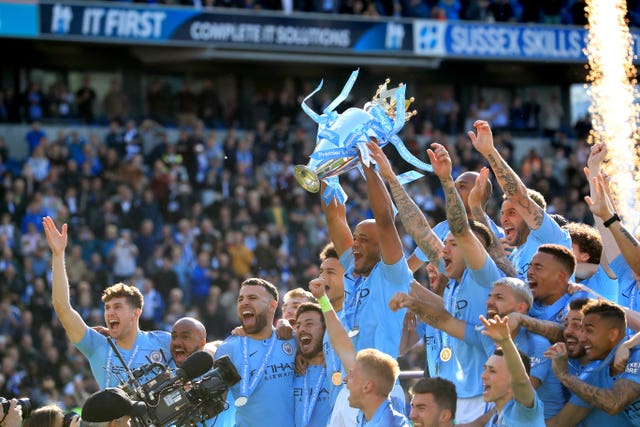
[(611, 220), (325, 304)]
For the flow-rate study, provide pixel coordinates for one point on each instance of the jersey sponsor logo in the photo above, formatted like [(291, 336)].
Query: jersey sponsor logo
[(633, 368)]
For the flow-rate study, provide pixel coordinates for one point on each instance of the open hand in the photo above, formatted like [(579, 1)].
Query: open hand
[(440, 160), (57, 240), (497, 329), (386, 171), (483, 141)]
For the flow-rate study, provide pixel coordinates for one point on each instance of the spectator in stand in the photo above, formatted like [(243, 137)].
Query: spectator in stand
[(159, 102), (532, 110), (447, 10), (35, 103), (186, 102), (553, 113), (517, 117), (34, 136), (209, 106), (39, 164), (13, 105), (551, 10), (124, 255), (531, 10), (85, 100), (116, 103), (502, 11)]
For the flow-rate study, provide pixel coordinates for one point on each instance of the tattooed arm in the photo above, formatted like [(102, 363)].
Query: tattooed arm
[(414, 221), (610, 400), (513, 188), (495, 249), (431, 311), (550, 330), (473, 250)]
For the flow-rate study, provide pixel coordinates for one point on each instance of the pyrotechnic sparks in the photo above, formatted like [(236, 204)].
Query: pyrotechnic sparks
[(613, 110)]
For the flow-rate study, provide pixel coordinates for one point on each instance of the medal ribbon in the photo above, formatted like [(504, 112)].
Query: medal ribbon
[(311, 399), (451, 302), (351, 311), (246, 387)]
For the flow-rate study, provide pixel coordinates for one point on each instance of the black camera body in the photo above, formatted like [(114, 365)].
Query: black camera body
[(23, 402), (183, 397)]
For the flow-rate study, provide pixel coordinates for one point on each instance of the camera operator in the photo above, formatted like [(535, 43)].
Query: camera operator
[(189, 335), (13, 416), (122, 309), (110, 407)]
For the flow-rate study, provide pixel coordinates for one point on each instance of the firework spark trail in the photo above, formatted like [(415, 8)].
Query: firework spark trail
[(614, 113)]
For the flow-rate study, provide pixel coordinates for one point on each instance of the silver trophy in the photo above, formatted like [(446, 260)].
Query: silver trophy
[(342, 138)]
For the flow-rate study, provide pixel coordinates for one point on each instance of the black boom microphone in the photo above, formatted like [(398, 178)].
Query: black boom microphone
[(196, 365)]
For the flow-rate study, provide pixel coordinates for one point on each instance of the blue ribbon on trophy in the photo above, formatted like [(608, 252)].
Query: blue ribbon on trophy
[(342, 138)]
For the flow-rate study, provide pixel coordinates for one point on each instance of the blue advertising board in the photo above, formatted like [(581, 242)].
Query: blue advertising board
[(188, 26), (472, 40)]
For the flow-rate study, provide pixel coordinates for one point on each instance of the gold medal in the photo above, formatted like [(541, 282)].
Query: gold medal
[(336, 378), (241, 401), (445, 354)]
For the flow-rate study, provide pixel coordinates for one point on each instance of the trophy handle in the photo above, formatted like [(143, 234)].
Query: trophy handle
[(307, 178)]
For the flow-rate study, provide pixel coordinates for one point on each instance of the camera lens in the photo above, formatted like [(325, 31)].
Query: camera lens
[(68, 417), (23, 402)]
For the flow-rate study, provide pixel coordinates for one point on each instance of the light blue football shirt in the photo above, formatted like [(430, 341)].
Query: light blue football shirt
[(272, 377), (379, 327), (548, 232), (312, 397), (534, 346), (105, 366), (515, 414)]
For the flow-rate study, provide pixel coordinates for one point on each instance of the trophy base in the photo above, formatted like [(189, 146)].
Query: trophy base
[(307, 178)]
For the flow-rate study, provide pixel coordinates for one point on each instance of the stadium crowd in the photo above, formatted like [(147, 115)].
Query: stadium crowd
[(565, 12), (186, 221)]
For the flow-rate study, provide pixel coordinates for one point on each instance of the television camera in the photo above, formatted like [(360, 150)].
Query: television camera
[(184, 396)]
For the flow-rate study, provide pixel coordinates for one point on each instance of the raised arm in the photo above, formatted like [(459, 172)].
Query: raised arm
[(338, 336), (477, 195), (336, 217), (513, 188), (498, 330), (431, 311), (473, 251), (626, 242), (610, 249), (70, 319), (414, 221), (382, 207)]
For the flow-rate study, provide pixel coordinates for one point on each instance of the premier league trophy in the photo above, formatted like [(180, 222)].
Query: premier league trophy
[(342, 138)]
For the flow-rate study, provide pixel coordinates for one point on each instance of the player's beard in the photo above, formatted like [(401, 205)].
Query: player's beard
[(258, 324), (313, 351)]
